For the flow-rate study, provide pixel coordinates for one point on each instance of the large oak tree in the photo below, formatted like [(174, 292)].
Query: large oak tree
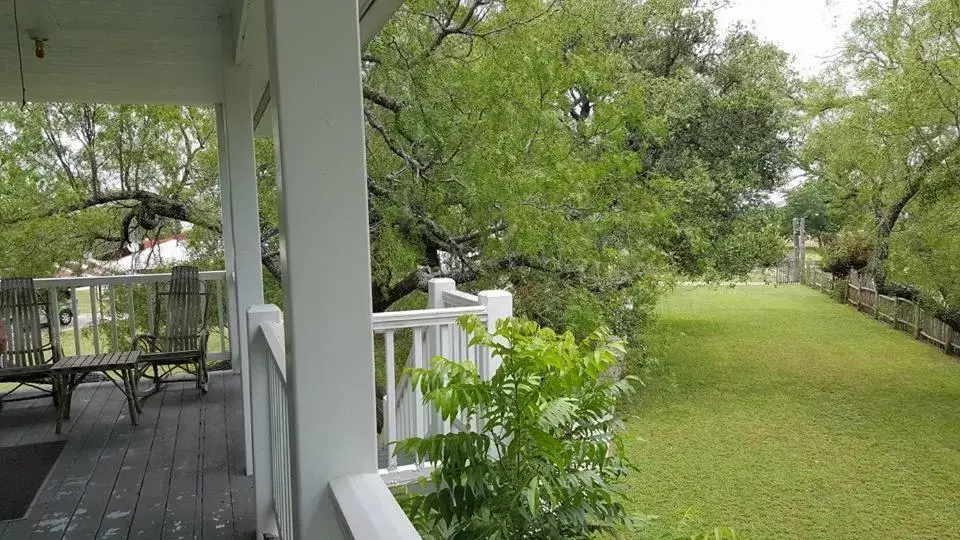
[(582, 153)]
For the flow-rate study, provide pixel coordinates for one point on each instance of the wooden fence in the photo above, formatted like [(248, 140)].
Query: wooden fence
[(789, 271), (900, 313)]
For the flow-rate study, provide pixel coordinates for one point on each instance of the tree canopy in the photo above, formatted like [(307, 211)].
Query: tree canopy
[(885, 143), (582, 153)]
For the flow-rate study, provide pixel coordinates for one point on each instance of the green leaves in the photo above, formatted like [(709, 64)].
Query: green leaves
[(539, 464), (556, 413)]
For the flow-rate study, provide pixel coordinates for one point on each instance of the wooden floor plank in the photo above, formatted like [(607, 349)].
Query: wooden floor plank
[(118, 515), (19, 419), (217, 506), (241, 485), (59, 512), (46, 513), (93, 503), (179, 474), (90, 399), (180, 515), (148, 516)]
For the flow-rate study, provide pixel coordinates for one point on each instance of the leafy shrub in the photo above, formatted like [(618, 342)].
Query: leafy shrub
[(838, 290), (542, 461), (851, 251)]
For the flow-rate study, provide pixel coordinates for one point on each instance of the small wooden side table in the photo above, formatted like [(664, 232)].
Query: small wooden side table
[(72, 370)]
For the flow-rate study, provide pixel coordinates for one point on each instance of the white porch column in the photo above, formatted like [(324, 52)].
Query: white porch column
[(314, 51), (241, 216)]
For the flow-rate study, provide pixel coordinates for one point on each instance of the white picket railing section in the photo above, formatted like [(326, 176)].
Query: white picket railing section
[(120, 298), (366, 507), (282, 499), (435, 332), (430, 333)]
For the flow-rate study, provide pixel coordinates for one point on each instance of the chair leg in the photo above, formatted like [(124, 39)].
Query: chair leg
[(156, 377), (56, 394), (66, 396), (202, 376)]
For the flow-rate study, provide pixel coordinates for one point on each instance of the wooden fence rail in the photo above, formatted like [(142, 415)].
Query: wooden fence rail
[(900, 313)]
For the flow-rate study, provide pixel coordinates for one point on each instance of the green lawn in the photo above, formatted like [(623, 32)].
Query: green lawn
[(784, 415)]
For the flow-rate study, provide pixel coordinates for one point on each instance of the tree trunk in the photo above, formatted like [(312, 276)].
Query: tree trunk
[(888, 221)]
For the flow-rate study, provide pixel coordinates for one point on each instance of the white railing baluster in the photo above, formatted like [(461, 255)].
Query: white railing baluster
[(94, 299), (113, 317), (151, 307), (131, 313), (220, 318), (114, 286), (391, 412), (53, 315), (76, 320), (419, 423)]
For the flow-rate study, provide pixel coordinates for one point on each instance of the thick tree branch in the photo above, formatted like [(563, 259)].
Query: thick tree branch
[(382, 99), (152, 202)]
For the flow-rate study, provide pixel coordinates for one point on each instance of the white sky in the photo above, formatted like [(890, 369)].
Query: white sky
[(810, 30)]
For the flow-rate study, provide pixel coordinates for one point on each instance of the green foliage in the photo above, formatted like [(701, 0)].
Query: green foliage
[(852, 250), (808, 201), (542, 463), (585, 153), (81, 180), (582, 153), (926, 252), (884, 144)]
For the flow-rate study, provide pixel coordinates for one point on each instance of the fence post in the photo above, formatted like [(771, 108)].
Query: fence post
[(258, 437), (917, 316), (499, 306), (896, 312), (948, 340), (859, 293), (876, 302)]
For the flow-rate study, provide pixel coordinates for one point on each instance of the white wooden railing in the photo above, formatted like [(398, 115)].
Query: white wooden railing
[(366, 506), (429, 333), (268, 377), (120, 298)]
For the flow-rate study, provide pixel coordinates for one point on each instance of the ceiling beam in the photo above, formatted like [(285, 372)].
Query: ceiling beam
[(244, 18), (373, 15)]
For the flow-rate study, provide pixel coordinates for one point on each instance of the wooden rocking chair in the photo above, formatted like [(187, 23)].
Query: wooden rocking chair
[(178, 339), (24, 358)]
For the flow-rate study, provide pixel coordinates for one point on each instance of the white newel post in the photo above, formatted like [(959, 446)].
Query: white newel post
[(314, 52), (260, 418), (241, 216), (435, 289), (499, 306)]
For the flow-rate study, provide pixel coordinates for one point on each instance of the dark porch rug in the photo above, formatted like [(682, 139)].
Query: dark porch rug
[(22, 471)]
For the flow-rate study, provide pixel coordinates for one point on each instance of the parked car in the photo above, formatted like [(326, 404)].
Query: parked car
[(65, 316)]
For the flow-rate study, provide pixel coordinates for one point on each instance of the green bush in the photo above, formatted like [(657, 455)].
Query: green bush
[(543, 461), (838, 290), (851, 251)]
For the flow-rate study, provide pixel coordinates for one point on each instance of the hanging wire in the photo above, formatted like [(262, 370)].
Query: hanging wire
[(23, 85)]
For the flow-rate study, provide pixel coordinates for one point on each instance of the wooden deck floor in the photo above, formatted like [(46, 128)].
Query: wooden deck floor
[(179, 474)]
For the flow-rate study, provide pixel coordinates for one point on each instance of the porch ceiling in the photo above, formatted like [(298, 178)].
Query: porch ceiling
[(137, 51)]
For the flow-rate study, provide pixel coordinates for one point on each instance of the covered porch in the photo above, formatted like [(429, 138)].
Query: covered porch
[(289, 70), (179, 474)]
